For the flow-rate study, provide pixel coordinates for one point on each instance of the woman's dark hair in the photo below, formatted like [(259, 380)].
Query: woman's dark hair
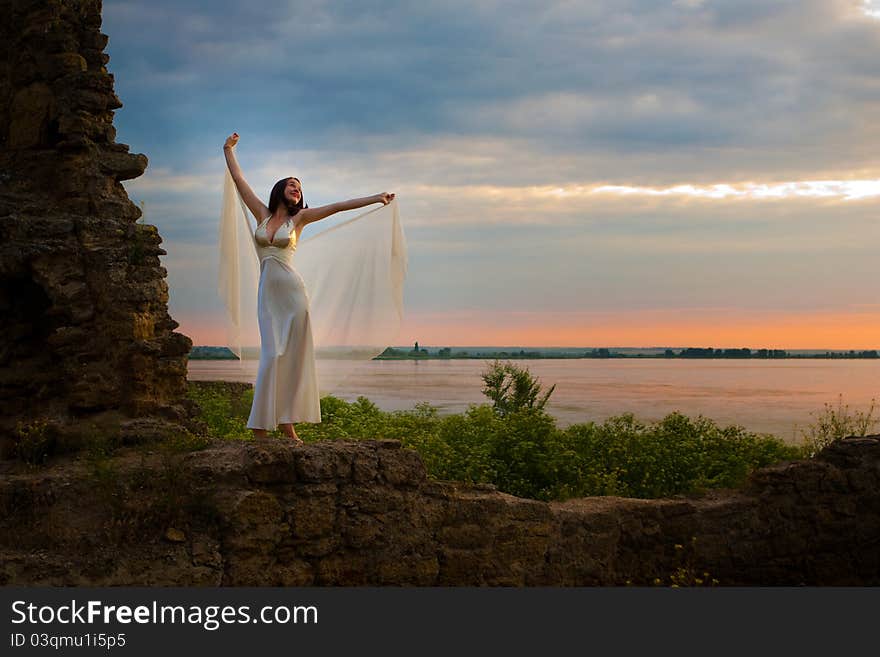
[(276, 197)]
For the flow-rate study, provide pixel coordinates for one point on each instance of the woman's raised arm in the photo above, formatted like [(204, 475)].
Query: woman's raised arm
[(308, 215), (255, 205)]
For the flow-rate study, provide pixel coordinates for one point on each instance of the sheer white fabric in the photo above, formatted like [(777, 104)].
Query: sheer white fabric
[(350, 309)]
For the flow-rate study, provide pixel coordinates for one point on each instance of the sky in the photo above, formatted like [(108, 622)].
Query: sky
[(569, 173)]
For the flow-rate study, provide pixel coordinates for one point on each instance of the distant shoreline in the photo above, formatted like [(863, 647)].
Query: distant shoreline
[(563, 353)]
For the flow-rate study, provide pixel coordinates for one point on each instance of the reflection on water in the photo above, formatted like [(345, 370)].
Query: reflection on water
[(764, 396)]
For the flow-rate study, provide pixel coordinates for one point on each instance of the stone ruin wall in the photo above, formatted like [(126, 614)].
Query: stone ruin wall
[(85, 335), (363, 513)]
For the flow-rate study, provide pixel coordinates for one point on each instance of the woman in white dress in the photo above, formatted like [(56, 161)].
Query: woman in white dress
[(286, 390)]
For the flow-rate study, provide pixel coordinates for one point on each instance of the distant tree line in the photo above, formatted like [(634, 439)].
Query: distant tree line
[(211, 353), (417, 352), (698, 352), (872, 353), (446, 352), (689, 352)]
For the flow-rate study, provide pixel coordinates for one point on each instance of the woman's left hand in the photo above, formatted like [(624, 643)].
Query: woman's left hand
[(385, 198)]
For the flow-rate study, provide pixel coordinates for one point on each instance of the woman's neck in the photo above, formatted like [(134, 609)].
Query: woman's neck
[(281, 214)]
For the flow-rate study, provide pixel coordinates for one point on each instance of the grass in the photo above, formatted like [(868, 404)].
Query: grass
[(836, 422)]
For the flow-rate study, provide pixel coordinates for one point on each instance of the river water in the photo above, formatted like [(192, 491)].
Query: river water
[(769, 396)]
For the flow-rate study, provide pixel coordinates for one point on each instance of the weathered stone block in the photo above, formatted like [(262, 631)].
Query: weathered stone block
[(29, 113), (348, 569), (403, 468), (312, 517), (270, 461), (64, 63)]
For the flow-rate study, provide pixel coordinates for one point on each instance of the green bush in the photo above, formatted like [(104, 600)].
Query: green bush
[(512, 388), (462, 446), (677, 455), (224, 408), (34, 442)]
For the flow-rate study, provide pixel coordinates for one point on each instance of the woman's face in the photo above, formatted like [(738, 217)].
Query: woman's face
[(293, 191)]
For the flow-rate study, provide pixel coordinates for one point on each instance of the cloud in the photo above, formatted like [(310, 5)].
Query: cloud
[(848, 190), (611, 155), (166, 182), (628, 79)]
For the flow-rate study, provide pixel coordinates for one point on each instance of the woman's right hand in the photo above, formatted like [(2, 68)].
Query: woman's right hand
[(231, 140)]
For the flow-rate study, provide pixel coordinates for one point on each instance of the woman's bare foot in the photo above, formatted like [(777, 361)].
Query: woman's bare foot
[(290, 433), (260, 433)]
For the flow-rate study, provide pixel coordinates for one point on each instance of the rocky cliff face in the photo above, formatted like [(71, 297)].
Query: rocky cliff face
[(363, 513), (84, 328)]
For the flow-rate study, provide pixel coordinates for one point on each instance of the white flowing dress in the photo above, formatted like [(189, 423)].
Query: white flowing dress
[(286, 389)]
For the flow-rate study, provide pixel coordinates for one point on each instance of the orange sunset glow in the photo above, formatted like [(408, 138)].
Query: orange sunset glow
[(722, 328)]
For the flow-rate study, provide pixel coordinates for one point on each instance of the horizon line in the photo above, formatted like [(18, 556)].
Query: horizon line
[(521, 347)]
